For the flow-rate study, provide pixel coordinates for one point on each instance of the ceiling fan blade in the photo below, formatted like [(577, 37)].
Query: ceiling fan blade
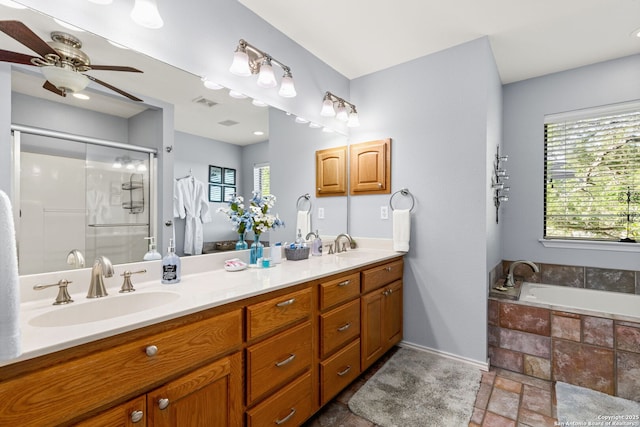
[(49, 86), (113, 88), (114, 68), (24, 35), (15, 57)]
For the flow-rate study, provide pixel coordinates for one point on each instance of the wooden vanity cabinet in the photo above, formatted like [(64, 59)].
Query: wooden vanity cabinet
[(381, 311), (129, 414)]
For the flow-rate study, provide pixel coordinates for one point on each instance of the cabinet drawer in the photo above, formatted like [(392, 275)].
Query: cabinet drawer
[(42, 397), (272, 314), (129, 414), (339, 290), (291, 406), (275, 361), (339, 326), (339, 370), (382, 275)]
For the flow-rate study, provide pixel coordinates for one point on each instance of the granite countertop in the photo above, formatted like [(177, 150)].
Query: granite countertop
[(205, 284)]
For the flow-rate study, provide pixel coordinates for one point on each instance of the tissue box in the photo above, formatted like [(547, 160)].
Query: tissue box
[(296, 254)]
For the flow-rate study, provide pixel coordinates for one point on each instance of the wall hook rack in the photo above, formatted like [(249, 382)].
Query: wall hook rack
[(498, 179)]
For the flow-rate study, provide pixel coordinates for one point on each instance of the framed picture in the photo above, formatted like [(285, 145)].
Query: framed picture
[(229, 192), (229, 176), (215, 193), (215, 174)]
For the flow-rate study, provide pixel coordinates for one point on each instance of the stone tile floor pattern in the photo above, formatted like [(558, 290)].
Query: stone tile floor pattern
[(505, 399)]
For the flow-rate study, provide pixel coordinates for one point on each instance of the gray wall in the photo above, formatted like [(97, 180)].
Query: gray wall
[(437, 111), (525, 104)]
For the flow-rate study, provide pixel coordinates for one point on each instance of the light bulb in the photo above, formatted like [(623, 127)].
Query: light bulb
[(117, 164), (145, 13), (266, 78), (129, 166), (142, 167), (287, 88), (240, 64), (327, 108)]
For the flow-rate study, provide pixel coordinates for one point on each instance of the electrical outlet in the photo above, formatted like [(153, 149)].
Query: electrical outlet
[(384, 212), (320, 213)]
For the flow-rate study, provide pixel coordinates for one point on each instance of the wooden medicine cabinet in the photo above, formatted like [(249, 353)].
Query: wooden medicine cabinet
[(331, 172), (370, 167)]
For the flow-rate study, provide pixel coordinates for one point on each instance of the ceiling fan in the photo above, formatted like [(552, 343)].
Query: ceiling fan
[(61, 60)]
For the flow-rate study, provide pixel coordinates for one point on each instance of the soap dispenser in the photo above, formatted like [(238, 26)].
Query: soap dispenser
[(171, 265), (316, 245), (152, 254)]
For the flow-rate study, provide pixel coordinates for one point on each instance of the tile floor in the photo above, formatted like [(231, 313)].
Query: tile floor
[(505, 399)]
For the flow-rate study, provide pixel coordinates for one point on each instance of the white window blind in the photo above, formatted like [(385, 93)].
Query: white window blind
[(261, 178), (592, 175)]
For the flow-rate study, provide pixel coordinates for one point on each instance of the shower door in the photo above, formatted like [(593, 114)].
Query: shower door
[(91, 198)]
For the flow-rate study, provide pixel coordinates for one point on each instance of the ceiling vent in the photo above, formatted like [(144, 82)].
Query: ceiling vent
[(204, 101), (228, 123)]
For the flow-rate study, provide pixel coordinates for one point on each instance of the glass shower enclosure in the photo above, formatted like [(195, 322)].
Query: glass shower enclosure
[(80, 194)]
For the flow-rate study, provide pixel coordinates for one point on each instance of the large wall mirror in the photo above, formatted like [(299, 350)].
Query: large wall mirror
[(209, 128)]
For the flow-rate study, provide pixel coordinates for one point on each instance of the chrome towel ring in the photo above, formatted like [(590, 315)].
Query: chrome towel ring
[(301, 200), (405, 192)]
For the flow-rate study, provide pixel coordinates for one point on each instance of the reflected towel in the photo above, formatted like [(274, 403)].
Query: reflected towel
[(303, 223), (401, 229), (10, 342)]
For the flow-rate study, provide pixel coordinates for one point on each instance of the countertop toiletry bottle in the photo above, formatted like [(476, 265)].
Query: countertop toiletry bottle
[(276, 253), (171, 265), (152, 254), (299, 240), (316, 246)]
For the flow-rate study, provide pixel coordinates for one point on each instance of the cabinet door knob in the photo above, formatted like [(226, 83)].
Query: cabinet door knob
[(136, 416), (286, 361), (151, 350), (344, 371), (344, 327), (345, 283), (287, 418), (285, 303), (163, 403)]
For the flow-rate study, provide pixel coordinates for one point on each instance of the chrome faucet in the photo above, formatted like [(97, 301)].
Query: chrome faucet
[(337, 242), (101, 267), (509, 280), (75, 258)]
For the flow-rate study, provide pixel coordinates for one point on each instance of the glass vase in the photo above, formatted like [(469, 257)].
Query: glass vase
[(256, 250), (241, 244)]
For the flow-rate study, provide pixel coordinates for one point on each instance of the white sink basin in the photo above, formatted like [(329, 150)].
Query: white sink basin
[(103, 308)]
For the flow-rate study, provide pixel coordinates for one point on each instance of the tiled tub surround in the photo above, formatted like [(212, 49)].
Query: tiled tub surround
[(599, 352)]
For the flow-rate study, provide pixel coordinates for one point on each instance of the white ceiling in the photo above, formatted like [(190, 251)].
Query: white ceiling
[(529, 38)]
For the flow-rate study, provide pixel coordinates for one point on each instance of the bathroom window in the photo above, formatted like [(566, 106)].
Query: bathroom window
[(592, 174), (261, 178)]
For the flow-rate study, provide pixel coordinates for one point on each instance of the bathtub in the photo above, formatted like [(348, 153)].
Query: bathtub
[(617, 305)]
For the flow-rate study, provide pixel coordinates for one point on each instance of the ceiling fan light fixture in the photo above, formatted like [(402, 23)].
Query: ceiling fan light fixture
[(64, 79), (146, 14), (81, 96)]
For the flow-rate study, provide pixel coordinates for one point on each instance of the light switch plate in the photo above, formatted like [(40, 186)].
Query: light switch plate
[(320, 213)]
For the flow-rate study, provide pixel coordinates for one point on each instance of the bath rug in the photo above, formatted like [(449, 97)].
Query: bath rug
[(417, 389), (583, 406)]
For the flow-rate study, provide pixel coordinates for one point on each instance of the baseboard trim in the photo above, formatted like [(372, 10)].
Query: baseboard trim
[(475, 363)]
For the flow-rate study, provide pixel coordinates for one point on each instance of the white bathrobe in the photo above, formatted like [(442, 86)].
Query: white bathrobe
[(192, 205)]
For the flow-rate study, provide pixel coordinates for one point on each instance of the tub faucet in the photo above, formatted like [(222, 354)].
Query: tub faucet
[(344, 247), (101, 267), (509, 280), (75, 258)]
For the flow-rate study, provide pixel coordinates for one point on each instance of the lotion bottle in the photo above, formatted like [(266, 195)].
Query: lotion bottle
[(152, 254), (171, 265), (316, 245)]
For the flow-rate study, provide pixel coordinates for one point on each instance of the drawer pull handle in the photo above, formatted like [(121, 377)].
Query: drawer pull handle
[(345, 283), (344, 371), (286, 361), (163, 403), (136, 416), (151, 350), (388, 268), (285, 303), (345, 327), (287, 418)]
